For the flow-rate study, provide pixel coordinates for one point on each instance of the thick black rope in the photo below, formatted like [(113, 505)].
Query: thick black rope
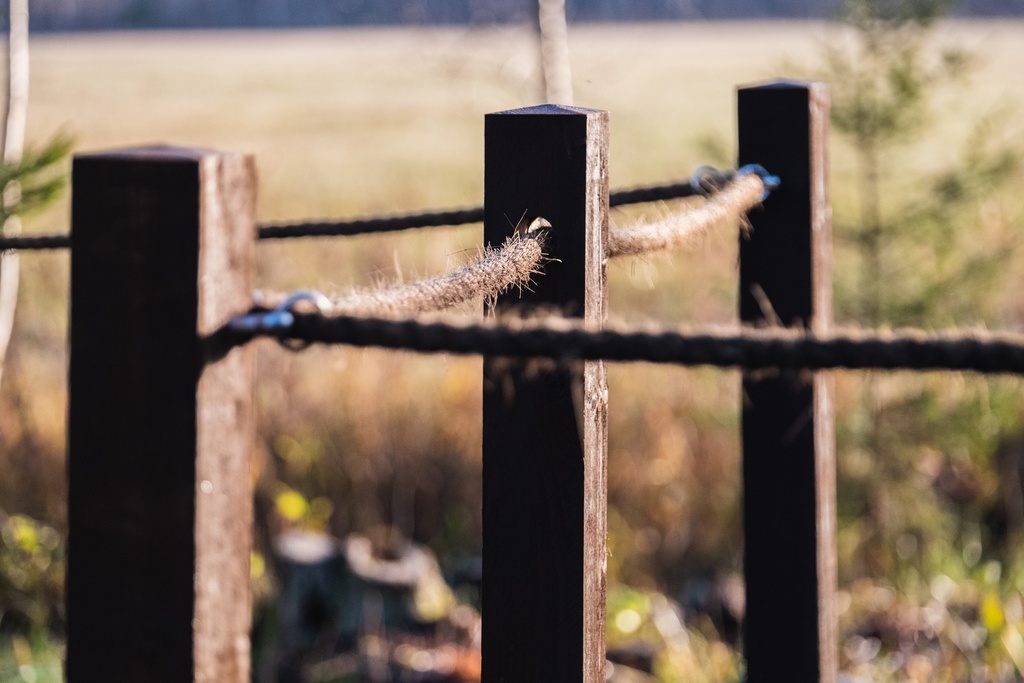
[(28, 242), (707, 184), (748, 348), (326, 228)]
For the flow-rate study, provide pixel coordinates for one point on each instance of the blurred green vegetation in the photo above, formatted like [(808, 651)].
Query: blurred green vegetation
[(31, 577), (36, 180), (691, 655), (30, 660), (929, 466), (352, 123)]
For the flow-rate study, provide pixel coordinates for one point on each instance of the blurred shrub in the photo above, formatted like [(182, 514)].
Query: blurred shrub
[(919, 245), (648, 624), (31, 576), (30, 660)]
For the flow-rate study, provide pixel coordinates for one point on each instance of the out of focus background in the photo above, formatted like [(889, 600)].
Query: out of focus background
[(354, 108)]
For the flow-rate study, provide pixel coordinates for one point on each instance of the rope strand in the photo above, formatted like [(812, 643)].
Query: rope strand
[(750, 349), (520, 258), (27, 242), (496, 271), (684, 228), (361, 226), (705, 185), (451, 217)]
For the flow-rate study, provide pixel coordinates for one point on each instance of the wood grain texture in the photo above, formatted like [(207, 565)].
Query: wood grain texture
[(545, 426), (788, 433), (158, 447), (225, 423), (824, 385)]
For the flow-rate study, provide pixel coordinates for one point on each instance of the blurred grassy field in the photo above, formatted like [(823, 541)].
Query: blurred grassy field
[(356, 122)]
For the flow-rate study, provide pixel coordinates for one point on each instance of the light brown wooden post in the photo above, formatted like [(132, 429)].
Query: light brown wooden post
[(545, 428), (791, 631), (159, 503)]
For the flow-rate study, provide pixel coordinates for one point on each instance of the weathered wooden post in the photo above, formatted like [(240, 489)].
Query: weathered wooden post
[(788, 434), (159, 503), (545, 427)]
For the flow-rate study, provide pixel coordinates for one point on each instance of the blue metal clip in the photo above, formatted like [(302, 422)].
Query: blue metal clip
[(281, 318), (697, 179)]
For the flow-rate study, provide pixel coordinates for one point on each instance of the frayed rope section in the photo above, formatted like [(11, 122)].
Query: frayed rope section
[(514, 264), (496, 271), (746, 348), (687, 227)]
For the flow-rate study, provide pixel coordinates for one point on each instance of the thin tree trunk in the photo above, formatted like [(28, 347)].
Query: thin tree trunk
[(12, 141), (554, 51)]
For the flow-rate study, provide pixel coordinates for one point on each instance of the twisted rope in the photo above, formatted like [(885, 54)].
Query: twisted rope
[(35, 242), (701, 185), (326, 228), (519, 259), (705, 185), (750, 349), (684, 228), (493, 273)]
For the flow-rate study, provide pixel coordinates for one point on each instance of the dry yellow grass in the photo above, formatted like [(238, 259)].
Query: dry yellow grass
[(354, 122), (349, 122)]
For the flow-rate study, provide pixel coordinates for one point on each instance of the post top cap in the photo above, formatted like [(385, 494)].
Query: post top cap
[(784, 84), (154, 152), (551, 109)]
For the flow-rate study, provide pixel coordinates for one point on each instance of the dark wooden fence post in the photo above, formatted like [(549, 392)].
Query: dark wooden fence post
[(545, 427), (788, 434), (159, 503)]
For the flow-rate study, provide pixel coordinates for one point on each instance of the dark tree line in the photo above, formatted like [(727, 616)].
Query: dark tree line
[(63, 15)]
